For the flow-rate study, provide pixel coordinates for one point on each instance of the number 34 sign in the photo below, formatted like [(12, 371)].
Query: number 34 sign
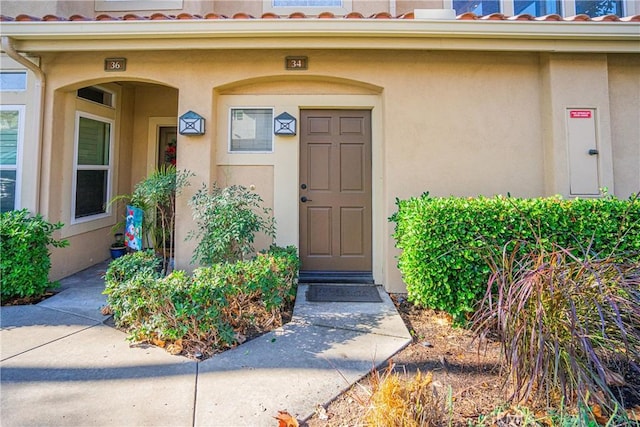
[(115, 64), (295, 63)]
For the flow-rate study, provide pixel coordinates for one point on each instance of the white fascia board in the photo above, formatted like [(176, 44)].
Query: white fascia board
[(318, 33)]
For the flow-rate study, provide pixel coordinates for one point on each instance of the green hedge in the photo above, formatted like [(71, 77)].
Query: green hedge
[(24, 253), (444, 240), (206, 312)]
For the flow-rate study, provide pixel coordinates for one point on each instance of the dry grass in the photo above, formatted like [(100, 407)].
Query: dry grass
[(399, 400)]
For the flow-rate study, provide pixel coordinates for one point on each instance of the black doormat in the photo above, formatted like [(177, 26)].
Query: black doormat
[(343, 293), (341, 277)]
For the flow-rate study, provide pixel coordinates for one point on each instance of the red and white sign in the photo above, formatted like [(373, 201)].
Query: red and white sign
[(580, 114)]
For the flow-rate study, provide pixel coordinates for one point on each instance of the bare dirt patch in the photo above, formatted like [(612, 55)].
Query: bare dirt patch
[(462, 374)]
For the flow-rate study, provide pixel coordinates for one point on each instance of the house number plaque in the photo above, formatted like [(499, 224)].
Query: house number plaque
[(115, 64), (296, 62)]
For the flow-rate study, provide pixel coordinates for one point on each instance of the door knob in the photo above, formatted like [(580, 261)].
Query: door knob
[(304, 199), (303, 186), (593, 152)]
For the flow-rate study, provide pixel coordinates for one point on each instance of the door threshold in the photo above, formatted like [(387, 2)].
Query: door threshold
[(361, 277)]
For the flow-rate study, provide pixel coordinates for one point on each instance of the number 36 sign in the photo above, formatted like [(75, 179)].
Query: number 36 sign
[(115, 64)]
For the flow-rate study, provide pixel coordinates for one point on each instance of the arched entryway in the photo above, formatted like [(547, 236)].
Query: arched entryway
[(106, 137)]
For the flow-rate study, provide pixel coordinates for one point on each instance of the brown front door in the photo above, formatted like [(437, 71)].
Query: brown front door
[(335, 190)]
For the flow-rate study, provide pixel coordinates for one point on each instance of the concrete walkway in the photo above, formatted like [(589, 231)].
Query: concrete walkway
[(60, 365)]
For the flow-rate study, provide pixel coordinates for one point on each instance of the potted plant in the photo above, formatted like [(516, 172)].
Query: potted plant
[(156, 196), (118, 248)]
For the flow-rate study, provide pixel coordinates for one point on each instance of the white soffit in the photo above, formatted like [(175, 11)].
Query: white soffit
[(400, 34)]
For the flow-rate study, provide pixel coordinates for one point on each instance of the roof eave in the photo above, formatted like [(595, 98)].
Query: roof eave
[(37, 36)]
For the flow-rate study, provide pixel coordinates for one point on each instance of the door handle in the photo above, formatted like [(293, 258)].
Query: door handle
[(304, 199), (593, 152)]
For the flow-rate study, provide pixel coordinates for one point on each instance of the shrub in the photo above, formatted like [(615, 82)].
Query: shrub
[(444, 240), (228, 219), (568, 325), (215, 308), (400, 401), (130, 283), (24, 255)]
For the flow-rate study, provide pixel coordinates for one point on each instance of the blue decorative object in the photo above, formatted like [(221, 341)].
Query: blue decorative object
[(191, 123), (284, 124)]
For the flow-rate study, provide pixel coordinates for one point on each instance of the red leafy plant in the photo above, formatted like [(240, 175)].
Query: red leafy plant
[(569, 326)]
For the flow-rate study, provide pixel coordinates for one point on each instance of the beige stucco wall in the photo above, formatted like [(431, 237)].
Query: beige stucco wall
[(451, 123), (624, 93)]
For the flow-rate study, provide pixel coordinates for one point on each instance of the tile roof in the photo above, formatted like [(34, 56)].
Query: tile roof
[(469, 16)]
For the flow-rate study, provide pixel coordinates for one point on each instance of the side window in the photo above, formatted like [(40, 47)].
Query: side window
[(14, 81), (537, 7), (131, 5), (595, 8), (251, 130), (308, 7), (96, 94), (11, 136), (92, 167), (479, 7)]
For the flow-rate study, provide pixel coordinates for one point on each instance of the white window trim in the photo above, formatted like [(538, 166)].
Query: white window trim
[(347, 7), (273, 141), (20, 143), (131, 5), (108, 168)]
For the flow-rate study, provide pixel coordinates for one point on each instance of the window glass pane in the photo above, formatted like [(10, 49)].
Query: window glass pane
[(599, 7), (537, 7), (251, 129), (12, 81), (93, 142), (479, 7), (307, 3), (91, 192), (9, 122), (7, 190), (96, 95)]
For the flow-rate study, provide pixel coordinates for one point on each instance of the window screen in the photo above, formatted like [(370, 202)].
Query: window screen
[(92, 167), (10, 130), (251, 130)]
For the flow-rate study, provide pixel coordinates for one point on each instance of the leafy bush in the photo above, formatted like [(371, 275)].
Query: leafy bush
[(156, 196), (24, 255), (215, 308), (444, 240), (228, 219), (568, 325), (130, 283)]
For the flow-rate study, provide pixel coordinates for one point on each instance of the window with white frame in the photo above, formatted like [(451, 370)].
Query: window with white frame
[(309, 7), (599, 7), (251, 130), (537, 7), (97, 94), (131, 5), (92, 167), (592, 8), (11, 137), (13, 81), (479, 7)]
